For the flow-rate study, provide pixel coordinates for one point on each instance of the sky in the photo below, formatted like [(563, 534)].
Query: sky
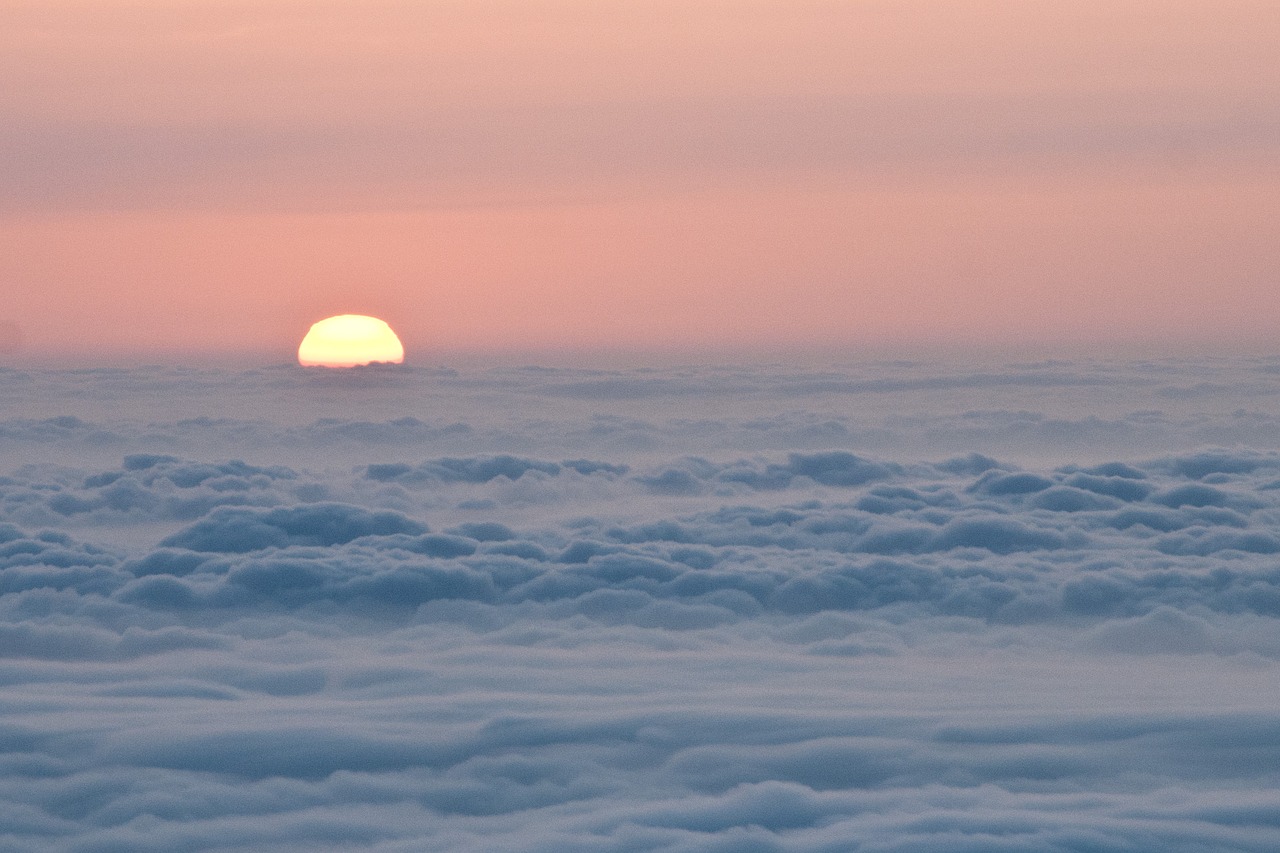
[(190, 178)]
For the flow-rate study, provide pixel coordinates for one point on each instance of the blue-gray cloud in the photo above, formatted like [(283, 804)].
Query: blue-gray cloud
[(404, 638)]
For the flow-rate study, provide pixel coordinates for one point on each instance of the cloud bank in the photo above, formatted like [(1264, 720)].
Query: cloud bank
[(439, 639)]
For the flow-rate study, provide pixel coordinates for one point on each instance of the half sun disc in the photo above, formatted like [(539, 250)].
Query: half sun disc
[(350, 340)]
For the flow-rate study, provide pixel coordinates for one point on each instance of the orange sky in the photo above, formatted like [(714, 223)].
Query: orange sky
[(554, 175)]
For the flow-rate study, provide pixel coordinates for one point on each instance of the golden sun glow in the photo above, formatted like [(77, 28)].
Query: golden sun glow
[(350, 340)]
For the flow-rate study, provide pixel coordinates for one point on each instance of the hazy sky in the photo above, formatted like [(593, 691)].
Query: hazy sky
[(212, 177)]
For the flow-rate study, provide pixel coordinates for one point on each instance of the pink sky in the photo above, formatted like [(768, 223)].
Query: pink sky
[(492, 175)]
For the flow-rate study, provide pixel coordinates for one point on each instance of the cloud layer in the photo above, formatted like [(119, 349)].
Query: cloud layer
[(563, 610), (1044, 413), (721, 100)]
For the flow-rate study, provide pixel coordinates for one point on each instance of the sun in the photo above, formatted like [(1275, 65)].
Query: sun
[(350, 340)]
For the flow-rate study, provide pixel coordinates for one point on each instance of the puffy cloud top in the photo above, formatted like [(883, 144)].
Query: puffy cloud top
[(236, 530), (673, 638)]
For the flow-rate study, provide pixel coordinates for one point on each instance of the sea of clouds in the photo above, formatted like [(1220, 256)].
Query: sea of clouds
[(888, 606)]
